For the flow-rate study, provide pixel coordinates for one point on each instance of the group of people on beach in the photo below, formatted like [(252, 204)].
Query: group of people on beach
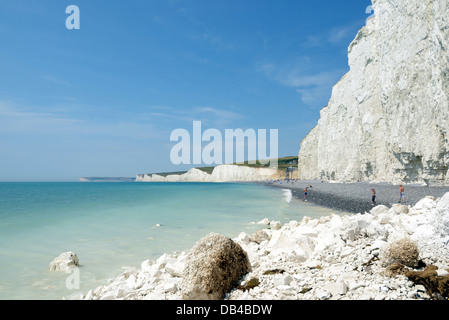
[(280, 181), (373, 191), (373, 197), (401, 195)]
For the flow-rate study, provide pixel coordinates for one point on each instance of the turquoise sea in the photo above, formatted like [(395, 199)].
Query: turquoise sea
[(111, 225)]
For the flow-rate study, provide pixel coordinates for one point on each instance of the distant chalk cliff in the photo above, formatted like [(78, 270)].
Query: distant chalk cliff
[(221, 173), (388, 117)]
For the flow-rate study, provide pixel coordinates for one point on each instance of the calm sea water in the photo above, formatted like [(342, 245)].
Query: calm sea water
[(111, 225)]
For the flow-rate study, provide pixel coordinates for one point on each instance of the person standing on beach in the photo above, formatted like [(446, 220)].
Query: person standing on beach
[(373, 199), (401, 194)]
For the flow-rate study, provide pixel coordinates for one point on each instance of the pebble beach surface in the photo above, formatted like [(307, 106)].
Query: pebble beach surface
[(356, 197), (331, 258)]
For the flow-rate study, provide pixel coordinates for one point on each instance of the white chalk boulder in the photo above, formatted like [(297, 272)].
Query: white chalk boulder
[(275, 225), (64, 261), (264, 221)]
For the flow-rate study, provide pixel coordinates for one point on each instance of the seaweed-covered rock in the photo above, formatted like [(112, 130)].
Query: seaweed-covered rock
[(403, 251), (214, 266)]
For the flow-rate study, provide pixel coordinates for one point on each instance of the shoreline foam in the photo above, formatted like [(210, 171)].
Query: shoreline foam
[(333, 257)]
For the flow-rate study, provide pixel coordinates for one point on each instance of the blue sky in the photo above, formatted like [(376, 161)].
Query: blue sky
[(103, 100)]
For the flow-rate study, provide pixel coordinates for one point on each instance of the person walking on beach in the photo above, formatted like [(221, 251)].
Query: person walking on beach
[(305, 192), (373, 199), (401, 194)]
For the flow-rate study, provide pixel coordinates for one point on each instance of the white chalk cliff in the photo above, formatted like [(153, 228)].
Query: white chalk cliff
[(388, 117), (221, 173)]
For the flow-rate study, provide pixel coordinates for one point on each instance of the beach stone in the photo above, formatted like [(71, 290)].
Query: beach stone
[(165, 259), (108, 296), (378, 244), (175, 269), (147, 265), (282, 280), (259, 236), (351, 230), (171, 285), (400, 208), (305, 231), (243, 238), (442, 273), (443, 203), (293, 223), (264, 221), (64, 261), (322, 294), (379, 210), (275, 225), (403, 251), (280, 240), (385, 218), (337, 288), (214, 266), (426, 203)]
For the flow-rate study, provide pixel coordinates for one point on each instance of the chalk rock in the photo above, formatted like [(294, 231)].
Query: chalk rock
[(336, 288), (176, 268), (379, 210), (442, 273), (275, 225), (426, 203), (147, 265), (443, 203), (441, 217), (264, 221), (243, 238), (282, 280), (213, 267), (259, 236), (400, 208), (387, 118), (64, 261), (299, 246), (322, 294)]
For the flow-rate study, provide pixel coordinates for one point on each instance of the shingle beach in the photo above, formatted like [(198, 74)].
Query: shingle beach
[(356, 197)]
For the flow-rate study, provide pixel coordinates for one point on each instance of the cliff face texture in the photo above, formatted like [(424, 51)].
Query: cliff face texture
[(388, 117)]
